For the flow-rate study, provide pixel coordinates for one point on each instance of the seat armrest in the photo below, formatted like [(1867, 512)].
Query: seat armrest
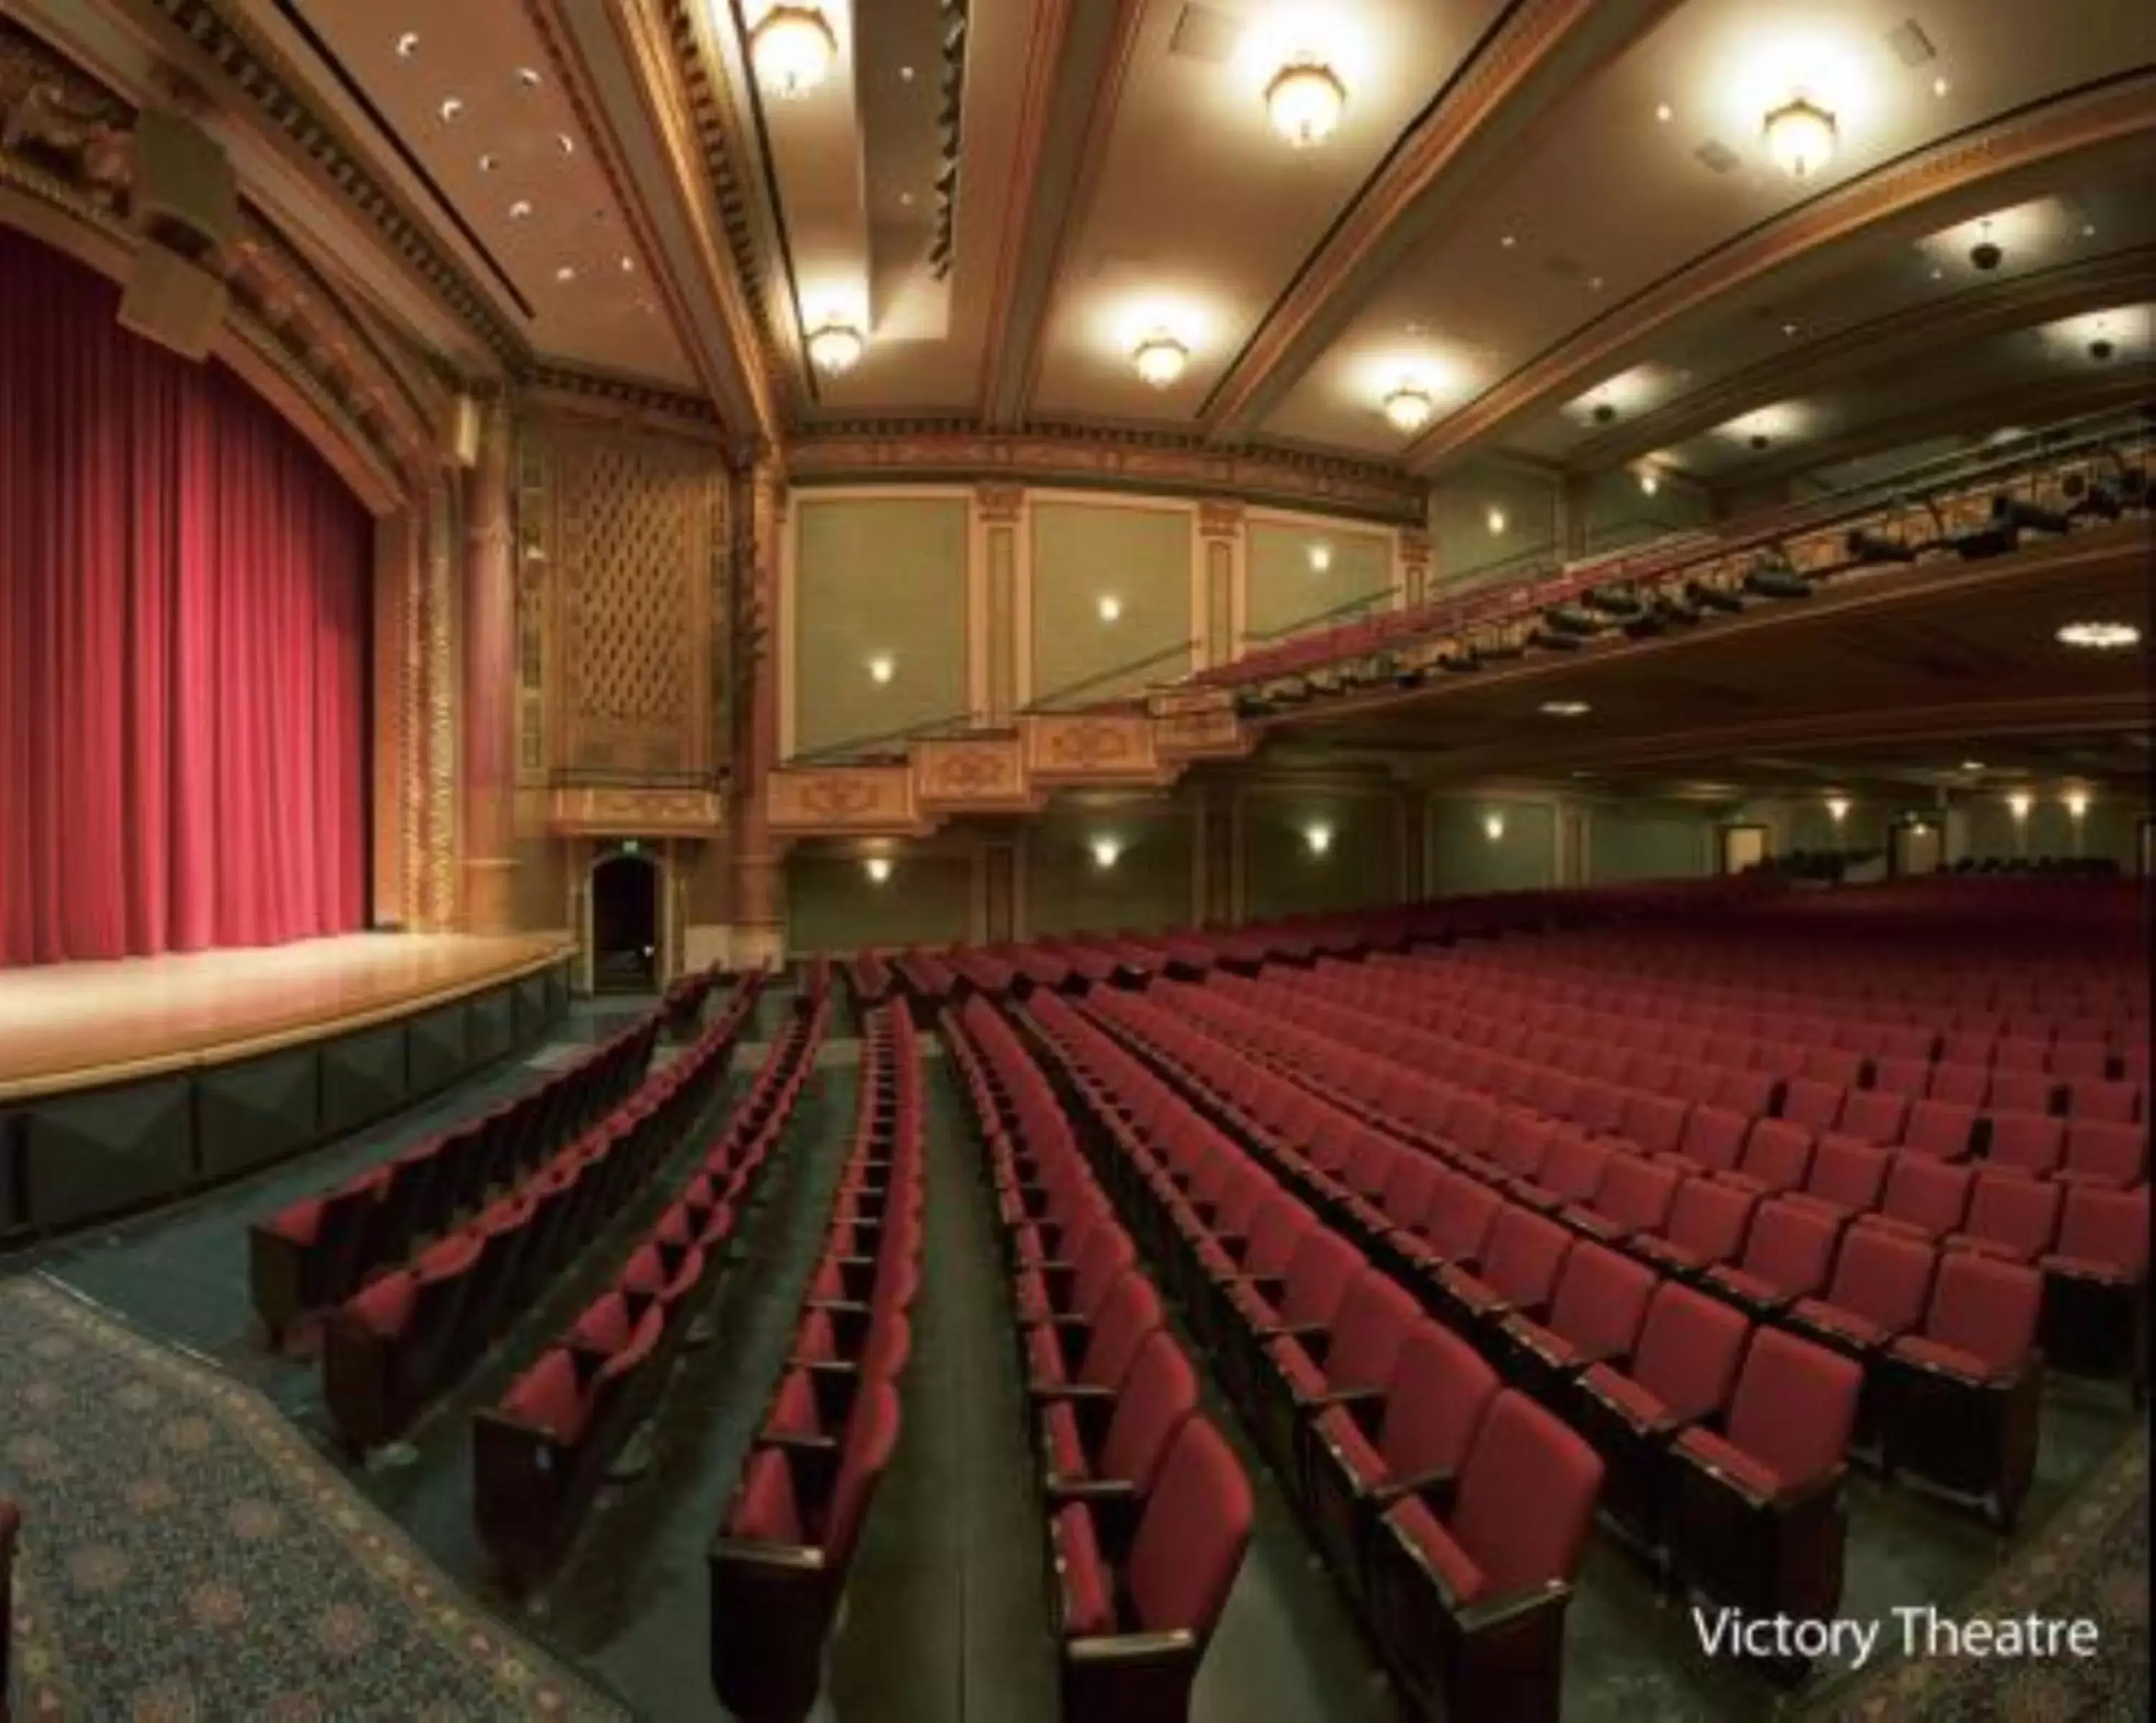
[(1302, 1332), (1079, 1392), (1435, 1487), (1478, 1619)]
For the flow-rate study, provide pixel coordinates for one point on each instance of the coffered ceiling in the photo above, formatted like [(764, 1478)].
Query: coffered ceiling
[(1530, 209)]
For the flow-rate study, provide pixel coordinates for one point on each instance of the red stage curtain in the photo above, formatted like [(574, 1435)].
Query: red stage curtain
[(183, 630)]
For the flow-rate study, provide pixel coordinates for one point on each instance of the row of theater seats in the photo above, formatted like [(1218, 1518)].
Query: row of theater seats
[(1693, 1175), (540, 1456), (319, 1250), (1453, 1512), (1148, 1510), (1946, 1336), (779, 1563), (391, 1347)]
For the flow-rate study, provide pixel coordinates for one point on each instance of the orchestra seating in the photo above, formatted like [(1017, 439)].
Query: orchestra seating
[(779, 1563), (539, 1457), (505, 1224), (1148, 1510)]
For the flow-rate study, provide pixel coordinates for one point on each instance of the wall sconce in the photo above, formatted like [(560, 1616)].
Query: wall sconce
[(1495, 522), (2077, 803), (882, 668), (2019, 804), (1110, 608), (1319, 837), (878, 869), (1107, 852), (1493, 826), (1837, 808)]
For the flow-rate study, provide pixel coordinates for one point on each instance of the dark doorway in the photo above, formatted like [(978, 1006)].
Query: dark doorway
[(625, 926)]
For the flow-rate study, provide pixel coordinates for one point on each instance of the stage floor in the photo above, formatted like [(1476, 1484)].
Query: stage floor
[(75, 1025)]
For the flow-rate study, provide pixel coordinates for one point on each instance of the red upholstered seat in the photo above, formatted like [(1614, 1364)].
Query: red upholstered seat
[(2009, 1216), (1881, 1281), (2033, 1143), (1159, 1393), (1925, 1197), (2105, 1152), (1876, 1116), (1787, 1255)]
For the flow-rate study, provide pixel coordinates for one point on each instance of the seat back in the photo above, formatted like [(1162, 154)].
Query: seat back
[(1876, 1116), (1281, 1225), (1710, 1219), (1690, 1347), (1128, 1314), (1986, 1308), (1928, 1194), (2107, 1151), (1375, 1318), (1324, 1266), (1883, 1277), (1847, 1173), (1191, 1540), (1527, 1497), (1714, 1137), (1811, 1103), (1795, 1405), (1941, 1128), (1159, 1394), (1527, 1254), (2020, 1215), (1441, 1389), (870, 1437), (1637, 1192), (1777, 1154), (1601, 1300), (2106, 1226), (2028, 1142), (1790, 1247)]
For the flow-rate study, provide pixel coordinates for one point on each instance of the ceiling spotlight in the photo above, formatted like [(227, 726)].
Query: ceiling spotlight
[(628, 264), (1509, 241), (1789, 328), (566, 144), (1107, 852), (527, 78), (1759, 439), (1837, 808), (834, 347), (1321, 558), (882, 668), (1972, 766), (1664, 112), (2019, 804), (487, 164), (1566, 708), (567, 272), (1800, 137), (878, 869), (2088, 230), (2099, 637), (408, 45), (792, 50), (2077, 802), (451, 108), (1159, 359), (1986, 255), (1602, 413), (906, 74), (1495, 520), (1940, 86), (1304, 101), (1110, 608), (521, 210), (1317, 839), (1408, 409)]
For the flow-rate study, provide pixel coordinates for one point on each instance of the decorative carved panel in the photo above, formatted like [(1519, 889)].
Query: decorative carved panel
[(973, 775), (598, 811), (637, 570), (870, 799), (1093, 747)]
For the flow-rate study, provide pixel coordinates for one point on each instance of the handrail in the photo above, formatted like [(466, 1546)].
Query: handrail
[(1376, 597)]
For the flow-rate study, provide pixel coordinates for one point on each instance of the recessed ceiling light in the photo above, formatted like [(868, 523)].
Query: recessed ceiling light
[(881, 668), (1110, 608), (567, 272), (1664, 112), (2099, 637), (521, 210), (1938, 274), (1789, 328), (1509, 241), (2088, 230), (906, 74), (878, 869), (527, 77), (1566, 708), (566, 144), (1940, 86), (1495, 520), (488, 163), (1972, 766), (408, 45), (905, 200), (451, 108), (628, 264), (1594, 284), (1321, 558), (1760, 439)]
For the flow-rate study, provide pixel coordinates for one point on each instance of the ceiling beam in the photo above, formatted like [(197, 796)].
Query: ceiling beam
[(622, 70), (2106, 130), (2045, 401), (1074, 66), (1516, 77), (1877, 348)]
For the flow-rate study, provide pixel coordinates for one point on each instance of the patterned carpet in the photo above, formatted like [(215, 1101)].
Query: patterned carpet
[(2091, 1562), (187, 1556)]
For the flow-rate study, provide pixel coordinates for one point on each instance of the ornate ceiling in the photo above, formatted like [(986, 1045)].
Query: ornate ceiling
[(1559, 218)]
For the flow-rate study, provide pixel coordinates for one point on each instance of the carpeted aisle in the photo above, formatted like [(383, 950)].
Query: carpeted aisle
[(188, 1556)]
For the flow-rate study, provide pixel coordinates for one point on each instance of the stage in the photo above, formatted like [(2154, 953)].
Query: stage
[(124, 1082)]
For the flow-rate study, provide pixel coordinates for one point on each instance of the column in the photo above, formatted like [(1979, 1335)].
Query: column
[(757, 517), (1217, 595), (1411, 574), (998, 512), (488, 719)]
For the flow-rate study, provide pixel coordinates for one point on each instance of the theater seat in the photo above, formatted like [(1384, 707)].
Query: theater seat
[(1758, 1519), (1594, 1318), (1087, 1449), (1788, 1254), (2095, 1286), (1139, 1591), (1469, 1607), (1351, 1357), (1961, 1399), (2009, 1217)]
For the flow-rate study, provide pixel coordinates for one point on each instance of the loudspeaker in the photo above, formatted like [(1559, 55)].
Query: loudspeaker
[(172, 302)]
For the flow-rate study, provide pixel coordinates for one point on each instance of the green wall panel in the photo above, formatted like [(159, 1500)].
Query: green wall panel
[(875, 576), (1296, 572), (1282, 877), (1465, 859), (1650, 840), (1463, 550), (1142, 557), (832, 905), (1149, 888)]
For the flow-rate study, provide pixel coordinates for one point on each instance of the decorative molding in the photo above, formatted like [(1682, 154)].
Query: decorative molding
[(1906, 194), (943, 449), (1000, 505), (628, 403), (1221, 519), (609, 810), (856, 800)]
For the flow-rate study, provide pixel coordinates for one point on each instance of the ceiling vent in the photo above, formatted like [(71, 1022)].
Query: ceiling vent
[(1201, 33), (1911, 45), (1716, 157)]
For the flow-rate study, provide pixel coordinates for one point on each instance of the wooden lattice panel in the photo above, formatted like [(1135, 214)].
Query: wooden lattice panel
[(638, 561)]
